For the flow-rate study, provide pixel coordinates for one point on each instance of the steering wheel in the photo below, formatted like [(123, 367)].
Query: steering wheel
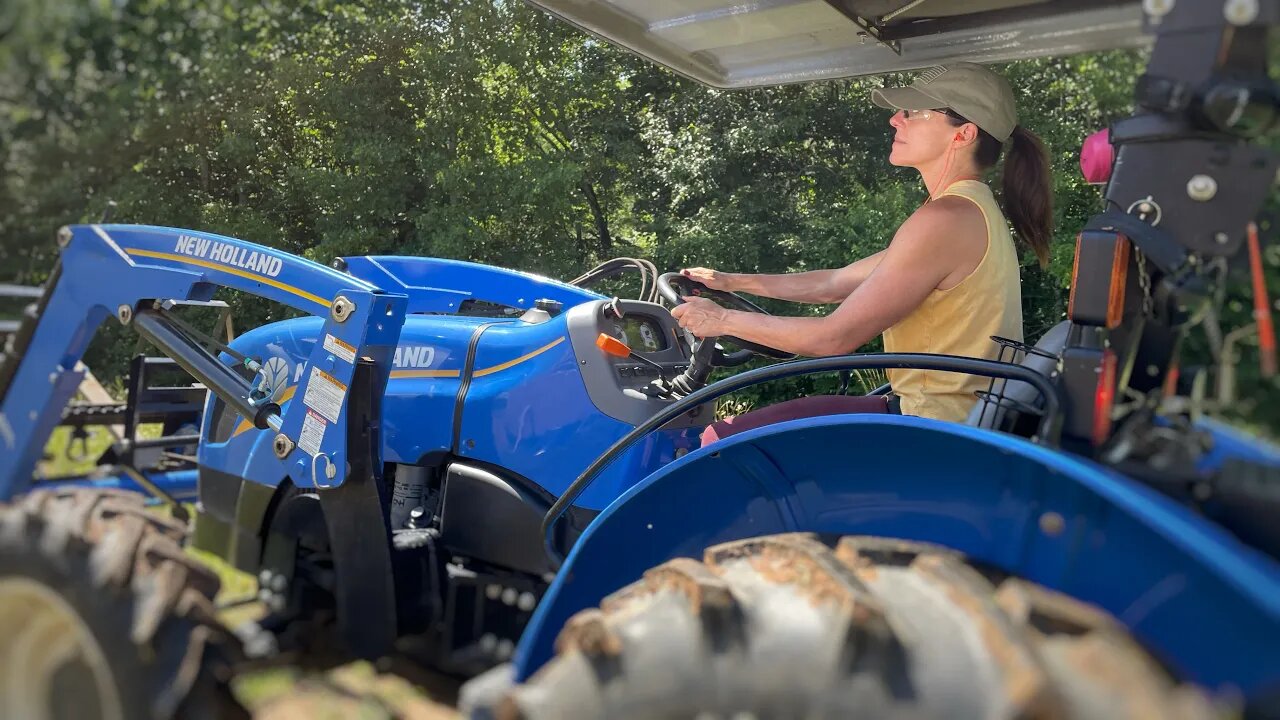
[(674, 286)]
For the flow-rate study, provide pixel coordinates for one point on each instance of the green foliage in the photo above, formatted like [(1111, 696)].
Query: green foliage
[(482, 131)]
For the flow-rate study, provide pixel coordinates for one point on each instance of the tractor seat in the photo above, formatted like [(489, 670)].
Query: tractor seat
[(1006, 417)]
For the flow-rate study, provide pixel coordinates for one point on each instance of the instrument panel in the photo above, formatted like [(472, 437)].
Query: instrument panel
[(617, 384), (650, 332), (642, 333)]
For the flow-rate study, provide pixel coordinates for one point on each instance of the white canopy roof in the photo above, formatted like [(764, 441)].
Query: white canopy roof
[(736, 43)]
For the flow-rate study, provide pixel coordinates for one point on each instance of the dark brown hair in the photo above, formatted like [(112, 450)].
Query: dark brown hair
[(1026, 186)]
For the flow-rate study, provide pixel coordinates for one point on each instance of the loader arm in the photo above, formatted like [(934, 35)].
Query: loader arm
[(128, 271)]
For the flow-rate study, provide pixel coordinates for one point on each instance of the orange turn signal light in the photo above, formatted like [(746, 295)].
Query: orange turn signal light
[(612, 345), (1095, 247)]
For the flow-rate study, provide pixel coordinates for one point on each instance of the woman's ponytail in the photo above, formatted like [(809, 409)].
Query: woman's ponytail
[(1027, 192), (1027, 186)]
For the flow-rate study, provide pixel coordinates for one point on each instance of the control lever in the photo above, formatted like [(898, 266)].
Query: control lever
[(615, 347)]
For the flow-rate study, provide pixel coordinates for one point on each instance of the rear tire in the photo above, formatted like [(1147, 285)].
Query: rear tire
[(102, 614), (785, 626)]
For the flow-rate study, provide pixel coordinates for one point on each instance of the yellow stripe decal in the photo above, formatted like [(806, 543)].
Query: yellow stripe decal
[(404, 374), (228, 269), (517, 361)]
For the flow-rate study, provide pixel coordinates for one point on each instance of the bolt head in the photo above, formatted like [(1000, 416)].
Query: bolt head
[(330, 471), (1202, 188), (342, 309), (1052, 524), (1157, 9), (125, 314), (1221, 238), (1240, 12), (282, 445), (64, 237)]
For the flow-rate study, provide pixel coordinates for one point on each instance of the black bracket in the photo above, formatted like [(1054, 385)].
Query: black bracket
[(356, 515)]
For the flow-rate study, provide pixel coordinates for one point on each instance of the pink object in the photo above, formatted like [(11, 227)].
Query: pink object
[(1097, 157)]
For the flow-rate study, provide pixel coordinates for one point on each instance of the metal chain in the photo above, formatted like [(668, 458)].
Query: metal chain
[(1144, 280)]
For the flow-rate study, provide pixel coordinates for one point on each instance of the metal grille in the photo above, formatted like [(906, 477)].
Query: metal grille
[(995, 400)]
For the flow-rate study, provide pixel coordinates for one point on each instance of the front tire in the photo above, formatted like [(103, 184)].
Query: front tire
[(786, 626), (103, 616)]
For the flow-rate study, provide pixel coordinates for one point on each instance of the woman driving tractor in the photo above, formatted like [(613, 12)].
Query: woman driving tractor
[(948, 280)]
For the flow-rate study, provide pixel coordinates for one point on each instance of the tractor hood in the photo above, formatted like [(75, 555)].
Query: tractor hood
[(742, 43)]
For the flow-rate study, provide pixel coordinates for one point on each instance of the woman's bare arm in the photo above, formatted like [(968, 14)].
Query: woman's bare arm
[(815, 286)]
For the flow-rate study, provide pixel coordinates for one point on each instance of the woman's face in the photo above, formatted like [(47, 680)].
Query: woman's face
[(920, 136)]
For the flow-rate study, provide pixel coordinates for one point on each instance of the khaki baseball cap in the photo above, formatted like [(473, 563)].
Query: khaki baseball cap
[(981, 96)]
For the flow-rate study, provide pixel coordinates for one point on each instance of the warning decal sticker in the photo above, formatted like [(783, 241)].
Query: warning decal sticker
[(324, 394), (340, 349), (313, 427)]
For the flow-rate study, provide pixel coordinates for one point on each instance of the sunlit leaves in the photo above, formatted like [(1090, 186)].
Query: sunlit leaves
[(485, 131)]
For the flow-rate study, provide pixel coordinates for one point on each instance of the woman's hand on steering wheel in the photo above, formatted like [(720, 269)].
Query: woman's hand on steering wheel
[(701, 316), (712, 279), (676, 287)]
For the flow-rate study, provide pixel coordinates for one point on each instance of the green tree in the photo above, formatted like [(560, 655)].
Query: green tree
[(480, 131)]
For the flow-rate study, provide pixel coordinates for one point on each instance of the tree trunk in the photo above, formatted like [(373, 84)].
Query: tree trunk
[(603, 240)]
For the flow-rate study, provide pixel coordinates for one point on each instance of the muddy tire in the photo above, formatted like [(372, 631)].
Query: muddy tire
[(103, 616), (788, 627)]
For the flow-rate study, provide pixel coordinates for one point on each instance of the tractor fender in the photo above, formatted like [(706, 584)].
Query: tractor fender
[(1199, 599)]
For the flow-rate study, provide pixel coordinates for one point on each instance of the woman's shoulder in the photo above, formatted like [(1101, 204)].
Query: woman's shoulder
[(950, 214), (951, 233)]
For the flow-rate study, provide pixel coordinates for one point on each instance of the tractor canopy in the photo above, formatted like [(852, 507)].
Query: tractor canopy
[(740, 44)]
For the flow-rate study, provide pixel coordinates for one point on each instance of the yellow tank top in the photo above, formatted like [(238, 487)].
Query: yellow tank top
[(961, 320)]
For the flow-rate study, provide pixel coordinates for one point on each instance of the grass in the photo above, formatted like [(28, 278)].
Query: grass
[(65, 457), (356, 691)]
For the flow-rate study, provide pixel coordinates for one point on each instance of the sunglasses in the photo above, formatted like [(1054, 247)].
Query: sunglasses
[(926, 114)]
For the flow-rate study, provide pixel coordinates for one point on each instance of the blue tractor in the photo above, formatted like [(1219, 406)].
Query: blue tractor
[(499, 476)]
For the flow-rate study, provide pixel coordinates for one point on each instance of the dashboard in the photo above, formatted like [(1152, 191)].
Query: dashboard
[(642, 333), (614, 383)]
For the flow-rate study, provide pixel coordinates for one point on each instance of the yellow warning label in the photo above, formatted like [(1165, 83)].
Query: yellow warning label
[(324, 394), (340, 349)]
